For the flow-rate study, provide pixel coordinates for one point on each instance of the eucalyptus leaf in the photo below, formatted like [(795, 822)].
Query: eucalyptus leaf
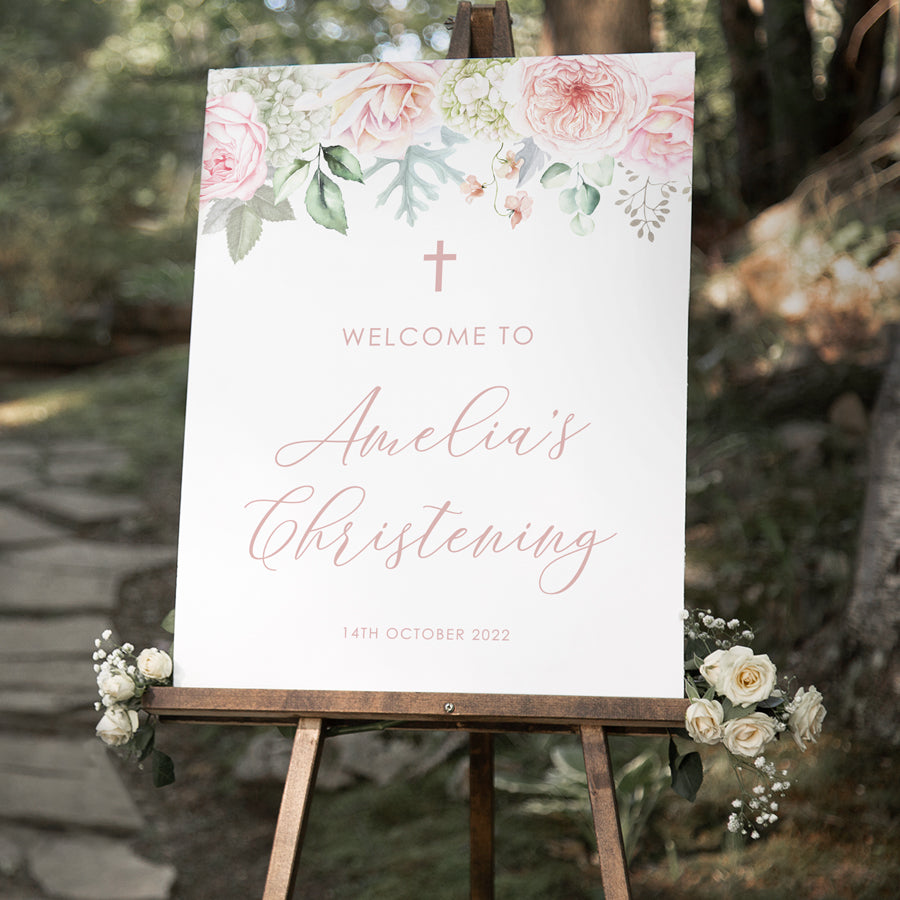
[(568, 200), (168, 623), (325, 203), (601, 172), (288, 179), (556, 176), (587, 198), (343, 163), (582, 225), (243, 231)]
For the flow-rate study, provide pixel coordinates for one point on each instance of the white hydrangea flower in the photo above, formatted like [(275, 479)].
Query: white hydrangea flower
[(288, 100), (471, 98)]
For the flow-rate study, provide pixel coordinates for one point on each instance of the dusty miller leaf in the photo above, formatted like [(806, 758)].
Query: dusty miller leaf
[(414, 185), (533, 160)]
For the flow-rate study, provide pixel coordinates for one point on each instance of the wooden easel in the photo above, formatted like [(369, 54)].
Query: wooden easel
[(478, 31), (593, 718)]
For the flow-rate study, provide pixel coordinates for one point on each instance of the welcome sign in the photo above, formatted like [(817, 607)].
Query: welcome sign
[(436, 410)]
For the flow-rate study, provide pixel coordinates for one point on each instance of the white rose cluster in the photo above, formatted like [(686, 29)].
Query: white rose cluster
[(122, 678), (736, 702)]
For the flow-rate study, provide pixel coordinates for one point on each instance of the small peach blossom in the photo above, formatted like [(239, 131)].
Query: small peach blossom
[(519, 205), (509, 166), (471, 188)]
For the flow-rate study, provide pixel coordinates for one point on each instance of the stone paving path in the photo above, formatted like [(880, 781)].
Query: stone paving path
[(68, 826)]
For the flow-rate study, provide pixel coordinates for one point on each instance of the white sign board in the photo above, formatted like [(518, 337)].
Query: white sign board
[(436, 410)]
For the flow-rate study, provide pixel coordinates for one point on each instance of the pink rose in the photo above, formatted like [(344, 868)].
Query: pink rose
[(379, 108), (234, 149), (582, 106), (663, 143)]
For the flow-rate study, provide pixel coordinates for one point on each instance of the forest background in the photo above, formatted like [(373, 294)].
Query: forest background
[(795, 291)]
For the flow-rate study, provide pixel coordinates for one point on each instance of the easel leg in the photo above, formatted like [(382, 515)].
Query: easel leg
[(295, 800), (481, 816), (613, 865)]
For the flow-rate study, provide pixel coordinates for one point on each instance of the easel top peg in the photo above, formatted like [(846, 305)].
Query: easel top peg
[(481, 32)]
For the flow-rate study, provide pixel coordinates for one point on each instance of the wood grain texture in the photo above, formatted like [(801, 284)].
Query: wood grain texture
[(293, 813), (481, 816), (602, 791), (450, 710)]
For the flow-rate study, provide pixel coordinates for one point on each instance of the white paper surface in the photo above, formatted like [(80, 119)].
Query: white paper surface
[(474, 489)]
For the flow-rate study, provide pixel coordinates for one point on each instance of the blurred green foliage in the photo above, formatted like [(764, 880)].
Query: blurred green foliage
[(101, 114)]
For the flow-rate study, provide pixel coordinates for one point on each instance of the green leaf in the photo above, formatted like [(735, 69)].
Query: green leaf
[(325, 203), (556, 175), (288, 179), (568, 200), (587, 198), (217, 215), (582, 225), (286, 731), (142, 742), (343, 163), (601, 172), (163, 769), (264, 205), (686, 771), (415, 179), (243, 231), (168, 623), (691, 689)]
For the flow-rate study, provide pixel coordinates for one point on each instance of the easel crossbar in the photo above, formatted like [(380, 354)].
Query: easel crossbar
[(451, 710)]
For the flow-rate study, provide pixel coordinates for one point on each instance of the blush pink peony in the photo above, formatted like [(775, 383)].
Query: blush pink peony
[(234, 149), (378, 109), (583, 107), (662, 144)]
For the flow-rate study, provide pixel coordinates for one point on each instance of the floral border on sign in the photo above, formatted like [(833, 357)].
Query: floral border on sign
[(579, 127)]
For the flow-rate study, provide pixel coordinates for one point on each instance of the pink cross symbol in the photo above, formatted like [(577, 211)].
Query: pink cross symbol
[(438, 258)]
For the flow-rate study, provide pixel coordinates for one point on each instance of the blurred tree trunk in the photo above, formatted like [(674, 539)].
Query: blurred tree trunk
[(854, 75), (872, 620), (742, 30), (596, 26), (794, 112)]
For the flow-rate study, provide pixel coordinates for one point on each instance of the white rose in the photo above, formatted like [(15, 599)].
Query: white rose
[(710, 669), (115, 687), (154, 665), (117, 726), (703, 721), (806, 716), (745, 677), (748, 735)]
